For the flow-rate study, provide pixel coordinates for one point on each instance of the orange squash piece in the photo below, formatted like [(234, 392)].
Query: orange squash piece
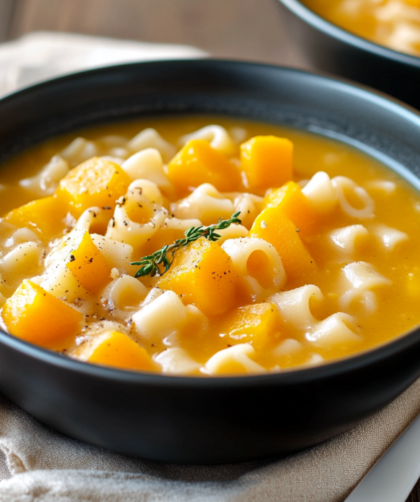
[(45, 216), (274, 226), (119, 351), (290, 199), (39, 317), (96, 182), (88, 264), (202, 274), (256, 324), (199, 163), (267, 161)]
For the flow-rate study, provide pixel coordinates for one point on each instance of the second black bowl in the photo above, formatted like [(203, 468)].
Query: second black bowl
[(332, 49)]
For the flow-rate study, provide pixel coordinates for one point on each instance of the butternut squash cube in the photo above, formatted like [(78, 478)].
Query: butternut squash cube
[(45, 216), (88, 264), (199, 163), (202, 274), (255, 324), (290, 199), (267, 161), (274, 226), (119, 351), (39, 317), (96, 182)]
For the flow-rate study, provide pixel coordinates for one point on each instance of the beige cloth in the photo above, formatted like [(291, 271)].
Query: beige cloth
[(49, 467), (42, 465)]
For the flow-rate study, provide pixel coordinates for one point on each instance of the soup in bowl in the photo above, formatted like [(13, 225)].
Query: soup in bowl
[(206, 246), (271, 398), (391, 23)]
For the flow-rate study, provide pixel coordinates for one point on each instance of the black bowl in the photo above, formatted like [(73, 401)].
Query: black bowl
[(209, 420), (335, 50)]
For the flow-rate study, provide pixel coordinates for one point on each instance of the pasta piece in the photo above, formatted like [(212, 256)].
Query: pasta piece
[(170, 230), (364, 278), (258, 266), (248, 204), (320, 193), (216, 135), (234, 360), (79, 151), (177, 361), (232, 232), (267, 161), (46, 182), (295, 306), (148, 165), (206, 204), (94, 220), (125, 293), (238, 134), (22, 262), (164, 316), (362, 275), (150, 138), (348, 193), (383, 186), (21, 236), (389, 237), (333, 331), (135, 219), (117, 254), (288, 347), (346, 238), (147, 188), (151, 296), (203, 274), (315, 360)]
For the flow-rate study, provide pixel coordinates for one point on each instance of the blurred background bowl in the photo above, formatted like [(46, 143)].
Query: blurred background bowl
[(332, 49)]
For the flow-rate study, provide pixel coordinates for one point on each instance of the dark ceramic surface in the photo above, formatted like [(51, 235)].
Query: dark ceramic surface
[(195, 420), (335, 50)]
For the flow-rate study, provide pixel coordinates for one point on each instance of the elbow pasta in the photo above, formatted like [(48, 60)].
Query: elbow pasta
[(322, 266)]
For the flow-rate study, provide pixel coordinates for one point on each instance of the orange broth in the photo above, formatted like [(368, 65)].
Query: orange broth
[(397, 306)]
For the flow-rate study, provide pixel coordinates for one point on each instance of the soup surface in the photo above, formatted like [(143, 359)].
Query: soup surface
[(324, 263), (392, 23)]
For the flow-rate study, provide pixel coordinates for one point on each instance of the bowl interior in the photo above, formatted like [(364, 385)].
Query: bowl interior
[(368, 121)]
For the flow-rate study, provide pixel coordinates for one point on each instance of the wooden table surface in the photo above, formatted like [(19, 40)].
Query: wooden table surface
[(237, 29)]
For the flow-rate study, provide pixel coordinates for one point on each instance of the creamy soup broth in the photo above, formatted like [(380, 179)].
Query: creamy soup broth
[(362, 290)]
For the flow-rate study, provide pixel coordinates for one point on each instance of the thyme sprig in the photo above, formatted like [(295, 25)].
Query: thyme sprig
[(151, 264)]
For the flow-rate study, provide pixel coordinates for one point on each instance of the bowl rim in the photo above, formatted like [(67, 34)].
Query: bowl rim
[(285, 377), (321, 24)]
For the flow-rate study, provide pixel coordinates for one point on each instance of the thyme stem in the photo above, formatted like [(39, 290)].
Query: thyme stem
[(150, 265)]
